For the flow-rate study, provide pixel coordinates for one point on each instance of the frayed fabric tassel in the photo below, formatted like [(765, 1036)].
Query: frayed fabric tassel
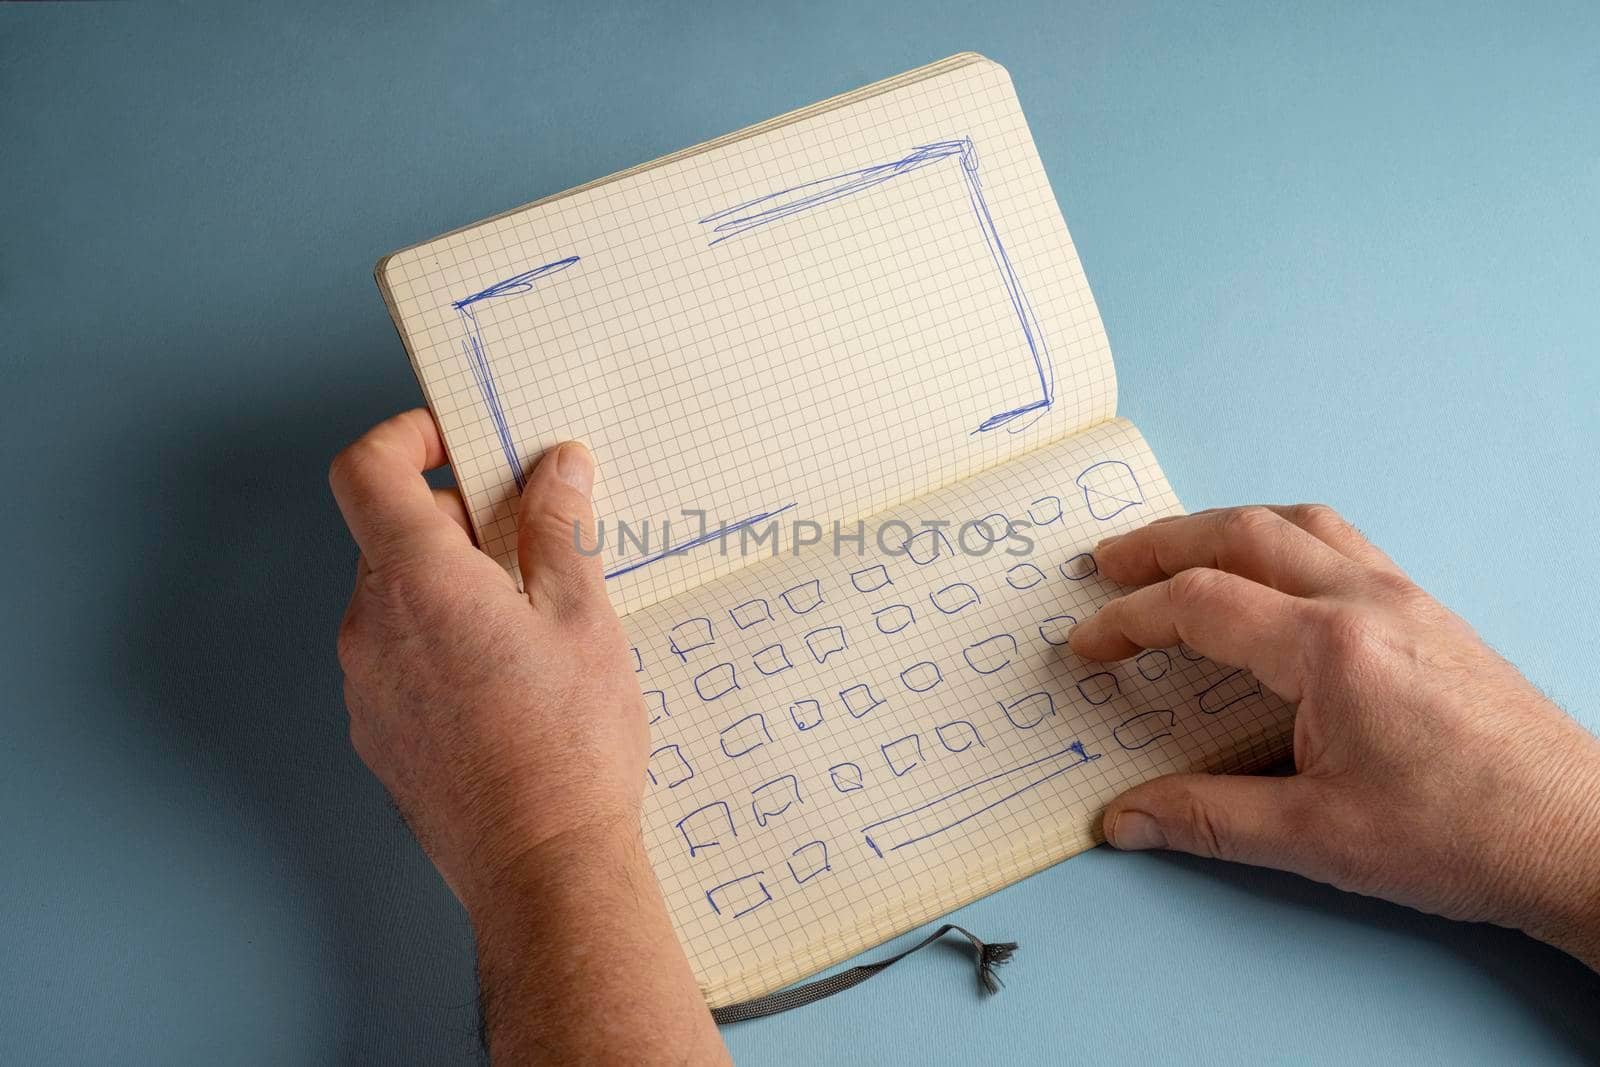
[(990, 956)]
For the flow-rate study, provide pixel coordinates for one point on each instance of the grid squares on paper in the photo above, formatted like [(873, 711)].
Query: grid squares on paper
[(839, 359), (872, 891), (835, 362)]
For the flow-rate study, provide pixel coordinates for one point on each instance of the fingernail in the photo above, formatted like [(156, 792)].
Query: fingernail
[(1133, 830), (575, 466), (1108, 541)]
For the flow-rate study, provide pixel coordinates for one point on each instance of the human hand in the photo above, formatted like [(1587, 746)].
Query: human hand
[(511, 732), (1430, 772), (498, 721)]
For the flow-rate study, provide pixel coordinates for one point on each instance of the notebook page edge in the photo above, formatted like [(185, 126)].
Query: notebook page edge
[(832, 103), (1082, 325), (1259, 750), (841, 100)]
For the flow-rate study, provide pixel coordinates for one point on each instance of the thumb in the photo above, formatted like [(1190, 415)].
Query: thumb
[(1243, 818), (554, 519)]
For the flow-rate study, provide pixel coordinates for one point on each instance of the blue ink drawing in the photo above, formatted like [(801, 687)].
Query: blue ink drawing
[(1079, 567), (1045, 510), (749, 613), (928, 547), (681, 547), (894, 618), (1229, 690), (655, 703), (1145, 728), (1099, 687), (1054, 630), (990, 654), (702, 829), (787, 203), (771, 660), (825, 642), (674, 769), (739, 895), (970, 801), (870, 579), (858, 700), (902, 754), (803, 598), (638, 661), (744, 736), (953, 598), (990, 531), (477, 353), (921, 677), (846, 777), (1153, 664), (1027, 712), (774, 797), (812, 858), (717, 682), (959, 735), (689, 635), (1109, 488), (806, 714), (1024, 576)]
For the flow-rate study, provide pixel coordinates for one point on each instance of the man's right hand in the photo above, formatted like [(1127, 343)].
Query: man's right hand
[(510, 731), (1430, 772)]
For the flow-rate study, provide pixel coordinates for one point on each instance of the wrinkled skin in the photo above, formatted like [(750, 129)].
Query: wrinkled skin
[(1430, 772), (510, 730)]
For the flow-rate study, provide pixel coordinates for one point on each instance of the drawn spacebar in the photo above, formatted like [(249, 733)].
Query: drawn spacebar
[(970, 801)]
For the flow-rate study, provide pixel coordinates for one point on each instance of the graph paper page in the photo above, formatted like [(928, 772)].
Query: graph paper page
[(819, 318), (847, 745)]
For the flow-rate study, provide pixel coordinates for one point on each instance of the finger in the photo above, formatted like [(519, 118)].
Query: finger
[(1332, 529), (449, 501), (1247, 819), (1321, 522), (1252, 542), (1224, 616), (556, 517), (378, 484)]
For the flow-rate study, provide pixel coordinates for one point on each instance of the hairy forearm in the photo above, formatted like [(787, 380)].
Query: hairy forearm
[(578, 962), (1562, 856), (510, 730)]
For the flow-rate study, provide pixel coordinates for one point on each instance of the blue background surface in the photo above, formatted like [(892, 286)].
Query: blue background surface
[(1343, 255)]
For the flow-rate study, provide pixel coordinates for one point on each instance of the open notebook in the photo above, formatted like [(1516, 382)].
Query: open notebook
[(796, 351)]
